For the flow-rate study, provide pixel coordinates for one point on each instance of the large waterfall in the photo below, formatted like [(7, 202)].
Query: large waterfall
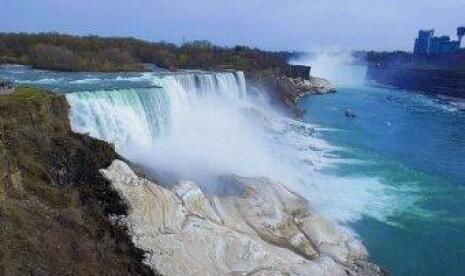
[(191, 126), (138, 116), (202, 126)]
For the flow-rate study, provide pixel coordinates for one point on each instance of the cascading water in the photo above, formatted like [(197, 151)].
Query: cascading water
[(122, 117), (202, 126), (136, 117)]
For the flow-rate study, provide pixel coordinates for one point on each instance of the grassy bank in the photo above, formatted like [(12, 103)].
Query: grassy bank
[(54, 205)]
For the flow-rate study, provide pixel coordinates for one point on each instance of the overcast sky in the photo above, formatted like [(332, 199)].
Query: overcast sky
[(271, 24)]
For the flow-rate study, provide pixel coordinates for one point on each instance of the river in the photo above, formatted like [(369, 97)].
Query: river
[(412, 144)]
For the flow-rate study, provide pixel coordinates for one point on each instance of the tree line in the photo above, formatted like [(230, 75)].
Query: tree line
[(93, 53)]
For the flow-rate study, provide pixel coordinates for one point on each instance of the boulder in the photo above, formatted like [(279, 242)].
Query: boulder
[(255, 227), (293, 89)]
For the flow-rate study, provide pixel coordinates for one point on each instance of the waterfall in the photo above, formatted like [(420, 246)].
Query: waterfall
[(139, 116), (203, 126)]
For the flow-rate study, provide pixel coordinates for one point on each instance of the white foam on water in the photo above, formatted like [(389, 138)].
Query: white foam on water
[(41, 81), (202, 126), (86, 81), (142, 77)]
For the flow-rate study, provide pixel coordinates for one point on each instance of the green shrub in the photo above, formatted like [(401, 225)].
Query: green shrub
[(92, 53)]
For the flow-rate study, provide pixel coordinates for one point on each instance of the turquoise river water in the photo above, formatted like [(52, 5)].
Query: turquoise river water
[(415, 146)]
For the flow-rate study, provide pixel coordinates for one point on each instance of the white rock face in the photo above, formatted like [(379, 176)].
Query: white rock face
[(256, 227)]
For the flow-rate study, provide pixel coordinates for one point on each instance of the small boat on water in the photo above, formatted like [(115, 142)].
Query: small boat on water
[(349, 113)]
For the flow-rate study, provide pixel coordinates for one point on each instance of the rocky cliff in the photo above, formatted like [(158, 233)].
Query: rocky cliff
[(254, 226), (435, 81), (293, 89), (298, 71), (54, 205), (286, 88)]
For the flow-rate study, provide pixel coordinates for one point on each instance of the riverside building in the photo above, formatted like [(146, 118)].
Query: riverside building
[(427, 43)]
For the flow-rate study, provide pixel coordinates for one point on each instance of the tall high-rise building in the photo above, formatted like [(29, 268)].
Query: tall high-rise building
[(460, 34), (422, 43), (427, 43), (439, 44)]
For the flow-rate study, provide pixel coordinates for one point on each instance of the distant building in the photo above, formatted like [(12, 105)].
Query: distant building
[(442, 44), (422, 43), (450, 47), (427, 43), (460, 34)]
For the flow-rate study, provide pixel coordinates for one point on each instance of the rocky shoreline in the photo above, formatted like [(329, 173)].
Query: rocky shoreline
[(256, 226), (287, 88)]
